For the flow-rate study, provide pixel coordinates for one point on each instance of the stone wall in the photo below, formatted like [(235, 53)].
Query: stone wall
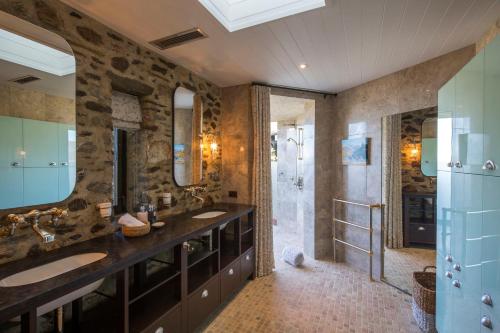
[(31, 104), (108, 61), (412, 178)]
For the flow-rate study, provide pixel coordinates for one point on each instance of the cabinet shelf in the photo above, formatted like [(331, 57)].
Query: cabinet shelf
[(197, 257), (202, 272), (152, 306), (246, 231), (154, 282)]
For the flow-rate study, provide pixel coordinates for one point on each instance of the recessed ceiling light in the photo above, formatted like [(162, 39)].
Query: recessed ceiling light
[(303, 66), (239, 14)]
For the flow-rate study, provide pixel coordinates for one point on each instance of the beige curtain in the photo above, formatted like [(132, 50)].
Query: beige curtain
[(261, 180), (392, 188)]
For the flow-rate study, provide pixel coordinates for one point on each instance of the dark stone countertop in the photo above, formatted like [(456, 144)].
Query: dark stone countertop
[(122, 253)]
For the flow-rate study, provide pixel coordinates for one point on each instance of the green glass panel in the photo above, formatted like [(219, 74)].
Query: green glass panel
[(41, 186), (11, 188), (469, 116), (40, 143), (492, 105), (11, 141), (446, 104)]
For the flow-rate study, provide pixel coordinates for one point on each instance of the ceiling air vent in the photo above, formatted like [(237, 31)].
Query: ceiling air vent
[(179, 38), (25, 79)]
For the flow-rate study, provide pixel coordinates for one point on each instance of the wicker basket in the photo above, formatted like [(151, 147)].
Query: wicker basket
[(424, 299), (136, 231)]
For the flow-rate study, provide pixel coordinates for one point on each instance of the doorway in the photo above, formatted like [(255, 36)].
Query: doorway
[(409, 155), (292, 171)]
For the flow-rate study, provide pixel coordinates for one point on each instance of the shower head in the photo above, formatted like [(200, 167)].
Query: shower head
[(292, 140)]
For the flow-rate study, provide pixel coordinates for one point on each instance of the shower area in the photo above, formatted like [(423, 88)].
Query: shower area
[(292, 172)]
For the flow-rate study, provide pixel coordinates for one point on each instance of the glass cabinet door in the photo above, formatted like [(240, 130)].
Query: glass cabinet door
[(40, 144), (492, 106), (466, 251), (491, 252), (468, 117), (446, 104)]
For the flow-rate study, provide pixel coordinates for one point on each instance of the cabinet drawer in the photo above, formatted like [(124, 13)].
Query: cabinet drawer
[(422, 233), (168, 323), (247, 264), (202, 302), (229, 279)]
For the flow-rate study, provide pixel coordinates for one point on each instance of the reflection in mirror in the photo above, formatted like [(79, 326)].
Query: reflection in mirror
[(428, 162), (37, 115), (409, 168), (187, 150)]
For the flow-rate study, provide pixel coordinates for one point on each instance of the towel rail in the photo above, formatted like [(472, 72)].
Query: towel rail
[(369, 229)]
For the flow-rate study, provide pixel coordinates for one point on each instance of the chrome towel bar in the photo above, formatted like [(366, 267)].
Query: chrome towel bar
[(369, 229)]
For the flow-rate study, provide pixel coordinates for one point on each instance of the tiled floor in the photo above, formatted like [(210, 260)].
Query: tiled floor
[(400, 264), (320, 297)]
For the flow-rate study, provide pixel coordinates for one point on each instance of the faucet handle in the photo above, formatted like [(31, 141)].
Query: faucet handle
[(57, 215)]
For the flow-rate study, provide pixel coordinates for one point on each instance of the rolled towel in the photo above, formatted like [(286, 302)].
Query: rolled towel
[(130, 221), (293, 256)]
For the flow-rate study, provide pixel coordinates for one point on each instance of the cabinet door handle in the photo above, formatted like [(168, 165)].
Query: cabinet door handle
[(52, 164), (204, 294), (489, 165), (421, 229), (449, 274), (231, 271), (456, 284), (486, 299), (458, 164), (457, 267), (15, 164), (486, 322), (449, 164), (448, 258), (64, 163)]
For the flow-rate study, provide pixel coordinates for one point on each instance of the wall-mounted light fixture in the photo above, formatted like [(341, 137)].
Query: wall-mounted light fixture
[(210, 142)]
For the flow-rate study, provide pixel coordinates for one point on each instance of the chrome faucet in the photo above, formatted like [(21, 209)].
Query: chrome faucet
[(195, 192), (33, 218)]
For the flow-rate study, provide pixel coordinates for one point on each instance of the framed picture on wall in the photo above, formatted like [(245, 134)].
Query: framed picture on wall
[(179, 153), (355, 151)]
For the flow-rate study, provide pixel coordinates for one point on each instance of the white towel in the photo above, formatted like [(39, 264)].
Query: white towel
[(293, 256), (130, 221)]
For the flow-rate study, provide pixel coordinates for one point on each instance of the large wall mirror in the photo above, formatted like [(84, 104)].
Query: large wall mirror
[(37, 115), (187, 141)]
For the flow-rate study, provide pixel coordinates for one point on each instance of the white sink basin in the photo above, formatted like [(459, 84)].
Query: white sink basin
[(209, 215), (52, 269)]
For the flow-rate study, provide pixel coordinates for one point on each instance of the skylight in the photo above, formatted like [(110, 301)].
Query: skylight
[(26, 52), (239, 14)]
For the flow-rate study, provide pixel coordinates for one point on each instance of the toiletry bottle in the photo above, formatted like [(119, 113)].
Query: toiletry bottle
[(143, 215), (151, 213)]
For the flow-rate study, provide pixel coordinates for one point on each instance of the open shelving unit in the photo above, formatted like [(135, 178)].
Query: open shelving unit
[(229, 243)]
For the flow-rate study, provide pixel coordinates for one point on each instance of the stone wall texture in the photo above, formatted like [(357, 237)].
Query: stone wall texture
[(31, 104), (410, 89), (108, 61), (412, 178)]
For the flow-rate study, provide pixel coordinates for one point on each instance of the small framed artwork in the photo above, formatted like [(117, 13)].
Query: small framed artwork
[(179, 153), (355, 151)]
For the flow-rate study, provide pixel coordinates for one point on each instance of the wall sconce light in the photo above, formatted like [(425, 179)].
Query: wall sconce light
[(213, 147)]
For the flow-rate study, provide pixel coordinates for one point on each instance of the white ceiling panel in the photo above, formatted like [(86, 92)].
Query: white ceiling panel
[(344, 44)]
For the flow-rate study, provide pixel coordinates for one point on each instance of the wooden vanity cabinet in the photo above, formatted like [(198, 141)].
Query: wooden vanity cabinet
[(196, 283)]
